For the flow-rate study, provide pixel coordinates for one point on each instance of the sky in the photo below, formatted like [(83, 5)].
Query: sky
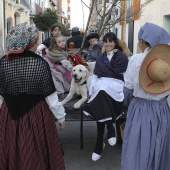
[(77, 13)]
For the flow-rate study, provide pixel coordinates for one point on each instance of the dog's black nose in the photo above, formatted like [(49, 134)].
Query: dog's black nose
[(75, 75)]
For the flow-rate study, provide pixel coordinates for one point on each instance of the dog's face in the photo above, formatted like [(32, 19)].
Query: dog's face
[(80, 73)]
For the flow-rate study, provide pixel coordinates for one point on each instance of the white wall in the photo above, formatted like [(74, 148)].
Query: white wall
[(153, 12), (127, 30), (136, 29), (118, 26)]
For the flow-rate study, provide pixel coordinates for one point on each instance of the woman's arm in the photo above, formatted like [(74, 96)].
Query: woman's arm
[(67, 65), (40, 47), (129, 83), (56, 107), (129, 74)]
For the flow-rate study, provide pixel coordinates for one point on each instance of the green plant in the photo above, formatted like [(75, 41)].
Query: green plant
[(44, 20), (65, 30)]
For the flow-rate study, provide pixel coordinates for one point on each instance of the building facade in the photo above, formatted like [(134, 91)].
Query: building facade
[(68, 15), (138, 12), (131, 15), (13, 12), (157, 12)]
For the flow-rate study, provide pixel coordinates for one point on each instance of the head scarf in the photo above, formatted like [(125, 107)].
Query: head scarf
[(153, 34), (20, 37)]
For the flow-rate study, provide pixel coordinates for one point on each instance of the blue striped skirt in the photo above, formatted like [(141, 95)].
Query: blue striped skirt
[(146, 144)]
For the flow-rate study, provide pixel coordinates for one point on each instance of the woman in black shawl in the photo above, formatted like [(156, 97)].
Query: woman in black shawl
[(28, 104), (106, 91)]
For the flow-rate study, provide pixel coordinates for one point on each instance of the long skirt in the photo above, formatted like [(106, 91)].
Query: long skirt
[(146, 144), (30, 143), (103, 107)]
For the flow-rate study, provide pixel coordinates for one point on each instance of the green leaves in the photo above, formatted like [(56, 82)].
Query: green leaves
[(45, 19), (65, 30)]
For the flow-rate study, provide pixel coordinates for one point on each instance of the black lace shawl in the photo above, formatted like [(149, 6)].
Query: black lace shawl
[(25, 79)]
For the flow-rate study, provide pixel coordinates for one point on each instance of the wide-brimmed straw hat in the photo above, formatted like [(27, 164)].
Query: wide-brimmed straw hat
[(154, 74)]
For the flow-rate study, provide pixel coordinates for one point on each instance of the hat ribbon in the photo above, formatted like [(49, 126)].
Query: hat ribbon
[(152, 81)]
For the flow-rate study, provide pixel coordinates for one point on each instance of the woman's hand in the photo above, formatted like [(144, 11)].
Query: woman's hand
[(67, 65), (62, 125)]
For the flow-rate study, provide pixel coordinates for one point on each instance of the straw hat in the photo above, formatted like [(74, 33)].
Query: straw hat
[(154, 74)]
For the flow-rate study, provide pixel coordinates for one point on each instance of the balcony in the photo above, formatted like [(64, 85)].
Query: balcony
[(37, 9), (25, 3)]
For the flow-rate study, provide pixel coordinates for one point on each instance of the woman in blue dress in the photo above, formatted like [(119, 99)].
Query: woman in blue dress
[(146, 143)]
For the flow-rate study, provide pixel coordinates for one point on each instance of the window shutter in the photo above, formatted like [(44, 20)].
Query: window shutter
[(136, 10)]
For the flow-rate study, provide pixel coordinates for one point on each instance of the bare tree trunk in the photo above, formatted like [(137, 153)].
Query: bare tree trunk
[(107, 16), (91, 10), (124, 22), (102, 18)]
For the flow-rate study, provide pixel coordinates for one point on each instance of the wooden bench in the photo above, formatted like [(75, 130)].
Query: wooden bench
[(78, 115)]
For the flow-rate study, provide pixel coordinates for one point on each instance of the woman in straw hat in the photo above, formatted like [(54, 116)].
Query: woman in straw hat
[(28, 100), (106, 91), (146, 144)]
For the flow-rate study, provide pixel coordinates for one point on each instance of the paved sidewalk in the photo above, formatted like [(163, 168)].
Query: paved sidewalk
[(77, 159)]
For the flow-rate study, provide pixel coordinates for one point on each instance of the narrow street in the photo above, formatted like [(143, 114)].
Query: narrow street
[(77, 159)]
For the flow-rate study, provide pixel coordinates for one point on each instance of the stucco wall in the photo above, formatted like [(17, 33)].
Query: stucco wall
[(11, 10), (153, 12)]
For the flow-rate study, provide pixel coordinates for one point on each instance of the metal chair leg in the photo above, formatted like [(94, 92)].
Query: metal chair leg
[(81, 130)]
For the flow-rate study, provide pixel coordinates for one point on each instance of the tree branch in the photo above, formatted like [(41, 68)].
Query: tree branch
[(91, 10), (85, 4)]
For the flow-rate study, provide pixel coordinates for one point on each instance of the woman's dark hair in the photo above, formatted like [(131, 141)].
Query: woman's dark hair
[(147, 44), (53, 27), (110, 36)]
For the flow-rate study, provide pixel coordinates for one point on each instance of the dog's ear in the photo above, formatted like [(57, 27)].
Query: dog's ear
[(87, 73)]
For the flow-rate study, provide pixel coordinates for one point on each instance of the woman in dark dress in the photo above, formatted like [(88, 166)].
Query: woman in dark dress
[(28, 106), (106, 91)]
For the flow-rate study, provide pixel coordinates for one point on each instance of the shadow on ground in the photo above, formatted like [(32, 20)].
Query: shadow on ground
[(77, 159)]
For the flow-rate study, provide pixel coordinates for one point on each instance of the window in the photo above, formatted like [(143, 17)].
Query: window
[(129, 4), (9, 24), (166, 23)]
